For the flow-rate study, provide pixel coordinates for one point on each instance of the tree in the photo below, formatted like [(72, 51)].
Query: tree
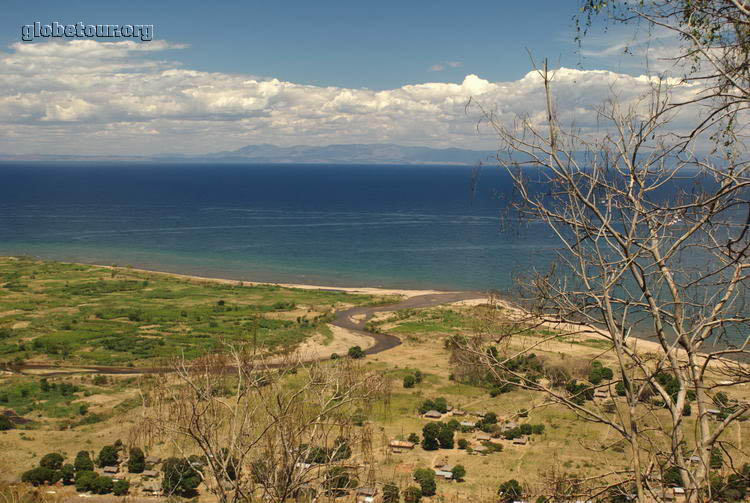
[(355, 352), (83, 462), (409, 381), (459, 472), (337, 480), (430, 433), (136, 460), (5, 423), (68, 474), (412, 494), (445, 437), (107, 456), (121, 487), (85, 480), (53, 461), (426, 480), (103, 485), (390, 494), (510, 490), (302, 413), (463, 443), (413, 438), (181, 477), (38, 476), (654, 235)]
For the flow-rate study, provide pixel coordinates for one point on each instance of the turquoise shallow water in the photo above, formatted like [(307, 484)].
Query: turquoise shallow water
[(391, 226)]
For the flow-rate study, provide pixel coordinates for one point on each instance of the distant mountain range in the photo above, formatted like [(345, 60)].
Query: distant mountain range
[(377, 153)]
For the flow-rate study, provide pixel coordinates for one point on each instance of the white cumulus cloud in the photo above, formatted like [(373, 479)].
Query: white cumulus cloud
[(119, 98)]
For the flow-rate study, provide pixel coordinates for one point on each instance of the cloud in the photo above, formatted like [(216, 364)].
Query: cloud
[(439, 67), (119, 98)]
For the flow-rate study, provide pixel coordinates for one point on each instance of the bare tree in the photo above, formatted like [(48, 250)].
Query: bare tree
[(715, 53), (654, 241), (270, 432)]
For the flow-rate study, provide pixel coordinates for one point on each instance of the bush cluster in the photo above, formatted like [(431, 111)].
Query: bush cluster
[(410, 380), (438, 404)]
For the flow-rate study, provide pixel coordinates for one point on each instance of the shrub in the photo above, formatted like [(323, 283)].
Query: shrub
[(107, 456), (413, 437), (5, 423), (136, 460), (53, 461), (409, 381), (459, 472), (337, 480), (83, 462), (463, 443), (103, 485), (85, 480), (121, 487), (687, 410), (181, 477), (390, 494), (510, 490), (334, 356), (412, 494), (418, 376), (355, 352), (68, 474), (445, 437), (430, 434), (426, 480), (38, 476)]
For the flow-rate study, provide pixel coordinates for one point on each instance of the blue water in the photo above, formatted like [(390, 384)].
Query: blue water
[(391, 226)]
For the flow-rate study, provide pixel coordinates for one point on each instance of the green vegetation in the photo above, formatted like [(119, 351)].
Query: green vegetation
[(136, 460), (426, 480), (94, 315), (390, 494), (510, 490), (412, 494), (356, 352), (181, 477)]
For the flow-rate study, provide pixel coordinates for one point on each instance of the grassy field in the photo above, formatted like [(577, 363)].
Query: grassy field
[(94, 315), (84, 314)]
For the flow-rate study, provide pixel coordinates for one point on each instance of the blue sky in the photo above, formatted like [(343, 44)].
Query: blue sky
[(378, 45), (219, 76)]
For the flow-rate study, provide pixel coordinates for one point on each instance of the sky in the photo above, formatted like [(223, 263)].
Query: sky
[(219, 76)]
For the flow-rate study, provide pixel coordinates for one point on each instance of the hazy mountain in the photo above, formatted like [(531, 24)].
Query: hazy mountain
[(379, 153)]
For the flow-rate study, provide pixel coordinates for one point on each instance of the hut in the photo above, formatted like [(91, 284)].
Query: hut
[(601, 393), (520, 440), (153, 460), (150, 474), (432, 414), (366, 494), (152, 487), (111, 469), (468, 424), (483, 437), (679, 494), (480, 450), (459, 412), (510, 425), (399, 446), (444, 474)]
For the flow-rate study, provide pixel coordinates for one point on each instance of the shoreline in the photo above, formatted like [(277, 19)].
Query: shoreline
[(637, 343)]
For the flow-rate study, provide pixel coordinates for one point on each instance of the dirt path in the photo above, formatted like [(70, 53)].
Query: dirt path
[(344, 319)]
